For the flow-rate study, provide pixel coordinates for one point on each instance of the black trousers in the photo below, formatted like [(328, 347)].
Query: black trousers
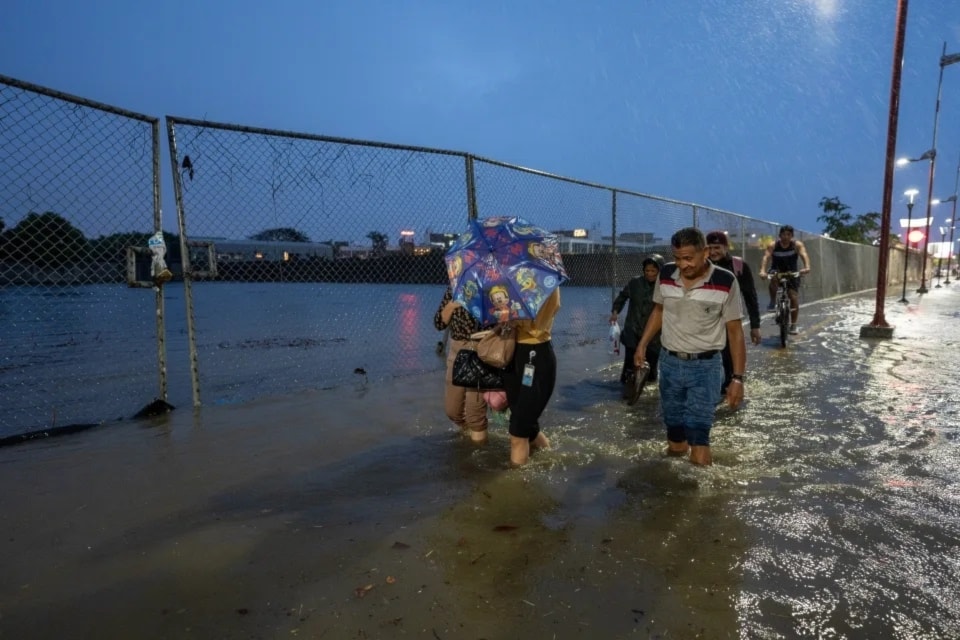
[(652, 355), (527, 403)]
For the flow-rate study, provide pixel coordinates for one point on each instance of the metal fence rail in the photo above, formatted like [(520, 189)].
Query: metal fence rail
[(79, 184)]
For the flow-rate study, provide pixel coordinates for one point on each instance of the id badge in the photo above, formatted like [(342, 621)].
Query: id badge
[(528, 370)]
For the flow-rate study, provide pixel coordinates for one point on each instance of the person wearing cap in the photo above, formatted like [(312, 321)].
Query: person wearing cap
[(639, 293), (784, 256), (719, 246), (697, 307)]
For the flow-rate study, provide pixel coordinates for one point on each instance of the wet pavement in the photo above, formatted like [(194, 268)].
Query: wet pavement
[(832, 509)]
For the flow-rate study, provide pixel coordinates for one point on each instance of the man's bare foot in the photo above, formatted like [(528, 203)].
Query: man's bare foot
[(677, 448), (540, 442), (700, 454)]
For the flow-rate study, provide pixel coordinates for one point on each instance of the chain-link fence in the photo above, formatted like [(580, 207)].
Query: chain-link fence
[(299, 261), (79, 184), (330, 250)]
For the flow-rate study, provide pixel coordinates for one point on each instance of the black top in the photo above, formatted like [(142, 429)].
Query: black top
[(785, 258), (639, 293), (747, 288)]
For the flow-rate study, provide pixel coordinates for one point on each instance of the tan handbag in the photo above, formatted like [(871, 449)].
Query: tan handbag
[(496, 346)]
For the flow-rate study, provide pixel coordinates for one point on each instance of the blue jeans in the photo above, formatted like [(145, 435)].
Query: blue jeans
[(689, 393)]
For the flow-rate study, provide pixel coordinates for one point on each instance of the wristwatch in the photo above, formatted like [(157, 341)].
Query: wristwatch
[(737, 377)]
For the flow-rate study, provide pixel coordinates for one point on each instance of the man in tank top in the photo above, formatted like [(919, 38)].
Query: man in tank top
[(784, 255)]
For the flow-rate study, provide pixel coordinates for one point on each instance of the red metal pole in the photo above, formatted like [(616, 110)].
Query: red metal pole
[(879, 321)]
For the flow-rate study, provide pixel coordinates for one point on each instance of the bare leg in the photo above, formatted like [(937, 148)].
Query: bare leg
[(677, 448), (794, 306), (700, 454), (519, 450), (520, 447), (540, 442)]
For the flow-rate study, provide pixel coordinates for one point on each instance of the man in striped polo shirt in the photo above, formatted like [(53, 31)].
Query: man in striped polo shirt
[(697, 309)]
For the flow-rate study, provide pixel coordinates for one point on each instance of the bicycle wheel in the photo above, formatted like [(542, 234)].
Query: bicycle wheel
[(784, 314)]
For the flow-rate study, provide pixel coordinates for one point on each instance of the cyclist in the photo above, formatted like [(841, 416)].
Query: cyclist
[(718, 244), (784, 256)]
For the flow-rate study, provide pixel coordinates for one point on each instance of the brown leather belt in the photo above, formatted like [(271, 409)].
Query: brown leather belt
[(703, 355)]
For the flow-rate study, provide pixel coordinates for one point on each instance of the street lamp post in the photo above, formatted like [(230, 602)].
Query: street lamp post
[(953, 224), (945, 60), (953, 219), (943, 232), (910, 193)]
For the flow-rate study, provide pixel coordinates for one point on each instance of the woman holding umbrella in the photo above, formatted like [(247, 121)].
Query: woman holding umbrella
[(530, 380), (504, 269)]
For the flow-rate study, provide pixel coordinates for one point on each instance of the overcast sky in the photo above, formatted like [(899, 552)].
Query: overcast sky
[(760, 107)]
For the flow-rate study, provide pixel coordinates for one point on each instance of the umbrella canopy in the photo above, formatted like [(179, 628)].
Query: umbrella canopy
[(504, 268)]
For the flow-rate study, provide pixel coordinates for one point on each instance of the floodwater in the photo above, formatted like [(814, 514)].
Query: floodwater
[(832, 509), (88, 354)]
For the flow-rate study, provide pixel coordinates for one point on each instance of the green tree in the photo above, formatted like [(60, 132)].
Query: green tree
[(840, 224), (46, 240), (379, 241), (280, 234)]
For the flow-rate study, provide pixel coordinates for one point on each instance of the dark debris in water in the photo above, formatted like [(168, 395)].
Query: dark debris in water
[(46, 433), (156, 408), (360, 592), (271, 343)]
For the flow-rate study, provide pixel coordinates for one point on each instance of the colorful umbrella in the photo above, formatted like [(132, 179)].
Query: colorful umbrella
[(504, 268)]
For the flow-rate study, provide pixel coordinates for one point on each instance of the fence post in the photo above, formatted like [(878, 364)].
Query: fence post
[(613, 244), (471, 188), (185, 264), (158, 290), (743, 238), (695, 215)]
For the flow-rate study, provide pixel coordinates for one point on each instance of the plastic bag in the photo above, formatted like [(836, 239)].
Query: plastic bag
[(496, 400), (615, 338), (158, 266)]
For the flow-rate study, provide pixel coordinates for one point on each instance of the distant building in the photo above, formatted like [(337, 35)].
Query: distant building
[(442, 241), (229, 250), (573, 241)]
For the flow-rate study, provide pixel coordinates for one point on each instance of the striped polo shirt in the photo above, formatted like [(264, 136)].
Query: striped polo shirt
[(695, 318)]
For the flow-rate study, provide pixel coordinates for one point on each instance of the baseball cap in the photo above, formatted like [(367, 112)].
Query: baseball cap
[(717, 237)]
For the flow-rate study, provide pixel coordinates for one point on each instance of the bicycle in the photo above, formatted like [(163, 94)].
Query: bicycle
[(781, 305)]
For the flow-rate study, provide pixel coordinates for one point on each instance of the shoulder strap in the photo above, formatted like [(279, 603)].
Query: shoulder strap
[(737, 265)]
